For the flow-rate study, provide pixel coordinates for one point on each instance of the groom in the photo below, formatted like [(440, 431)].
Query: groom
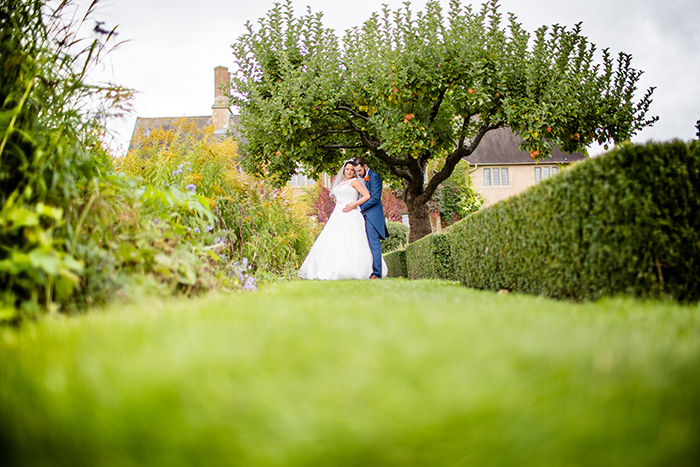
[(375, 226)]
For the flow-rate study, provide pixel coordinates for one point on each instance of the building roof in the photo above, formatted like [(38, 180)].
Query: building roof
[(502, 147), (146, 125)]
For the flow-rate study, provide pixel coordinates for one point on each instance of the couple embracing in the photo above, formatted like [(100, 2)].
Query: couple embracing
[(348, 246)]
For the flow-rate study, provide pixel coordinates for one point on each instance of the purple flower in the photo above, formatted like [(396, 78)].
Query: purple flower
[(250, 284), (177, 172), (191, 187), (245, 263), (210, 228), (196, 230)]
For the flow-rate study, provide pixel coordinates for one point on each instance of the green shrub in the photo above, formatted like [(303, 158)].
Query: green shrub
[(397, 239), (626, 222), (396, 262), (456, 197), (430, 258), (51, 122)]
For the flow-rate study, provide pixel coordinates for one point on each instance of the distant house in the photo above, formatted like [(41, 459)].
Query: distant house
[(499, 169)]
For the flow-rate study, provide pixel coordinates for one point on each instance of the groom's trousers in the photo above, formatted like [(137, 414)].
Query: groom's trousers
[(375, 247)]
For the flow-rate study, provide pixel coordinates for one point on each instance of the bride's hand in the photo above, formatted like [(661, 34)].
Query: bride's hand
[(349, 207)]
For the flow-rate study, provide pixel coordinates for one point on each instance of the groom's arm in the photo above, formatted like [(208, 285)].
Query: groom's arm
[(374, 186)]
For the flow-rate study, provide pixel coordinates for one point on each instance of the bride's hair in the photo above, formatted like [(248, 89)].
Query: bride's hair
[(340, 177)]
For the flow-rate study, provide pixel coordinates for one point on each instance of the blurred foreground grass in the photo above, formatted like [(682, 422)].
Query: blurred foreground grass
[(386, 372)]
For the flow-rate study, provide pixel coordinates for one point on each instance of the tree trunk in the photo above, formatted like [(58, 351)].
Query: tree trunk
[(418, 220)]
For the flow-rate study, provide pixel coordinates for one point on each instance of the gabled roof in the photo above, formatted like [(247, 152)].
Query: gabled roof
[(502, 147), (146, 125)]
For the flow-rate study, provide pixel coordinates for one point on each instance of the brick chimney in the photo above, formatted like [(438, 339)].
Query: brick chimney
[(221, 110)]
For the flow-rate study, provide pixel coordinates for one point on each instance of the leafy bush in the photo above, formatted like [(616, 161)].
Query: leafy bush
[(430, 258), (252, 220), (455, 198), (396, 263), (397, 239), (51, 123), (626, 222)]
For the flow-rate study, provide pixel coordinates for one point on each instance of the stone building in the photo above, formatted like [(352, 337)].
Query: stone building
[(221, 116)]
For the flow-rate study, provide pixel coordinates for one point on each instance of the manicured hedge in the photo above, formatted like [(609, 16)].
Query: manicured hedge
[(398, 237), (396, 262), (625, 222), (430, 258)]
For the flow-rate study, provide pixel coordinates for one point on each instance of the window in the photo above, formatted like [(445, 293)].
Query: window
[(496, 177), (504, 177), (544, 172)]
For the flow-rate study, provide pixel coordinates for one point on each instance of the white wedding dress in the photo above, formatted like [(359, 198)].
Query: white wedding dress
[(341, 251)]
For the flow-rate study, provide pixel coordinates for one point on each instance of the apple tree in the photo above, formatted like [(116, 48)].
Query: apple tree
[(403, 89)]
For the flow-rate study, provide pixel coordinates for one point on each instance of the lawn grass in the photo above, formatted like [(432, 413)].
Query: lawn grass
[(389, 372)]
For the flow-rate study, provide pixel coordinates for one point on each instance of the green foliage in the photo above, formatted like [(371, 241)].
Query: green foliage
[(136, 236), (73, 234), (51, 122), (430, 258), (626, 222), (301, 374), (251, 220), (456, 197), (406, 89), (396, 263), (397, 239)]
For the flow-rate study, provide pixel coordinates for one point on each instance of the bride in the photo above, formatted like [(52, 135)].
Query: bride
[(341, 250)]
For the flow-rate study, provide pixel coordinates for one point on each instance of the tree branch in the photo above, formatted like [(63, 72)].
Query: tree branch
[(436, 108), (352, 112), (374, 146), (463, 133), (454, 158)]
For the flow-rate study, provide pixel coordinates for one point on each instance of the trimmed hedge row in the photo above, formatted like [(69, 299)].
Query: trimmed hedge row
[(396, 262), (430, 258), (626, 222)]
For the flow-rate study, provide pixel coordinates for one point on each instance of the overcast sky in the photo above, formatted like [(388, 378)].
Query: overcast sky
[(174, 47)]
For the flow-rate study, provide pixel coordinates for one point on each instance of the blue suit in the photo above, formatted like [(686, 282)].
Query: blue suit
[(374, 220)]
